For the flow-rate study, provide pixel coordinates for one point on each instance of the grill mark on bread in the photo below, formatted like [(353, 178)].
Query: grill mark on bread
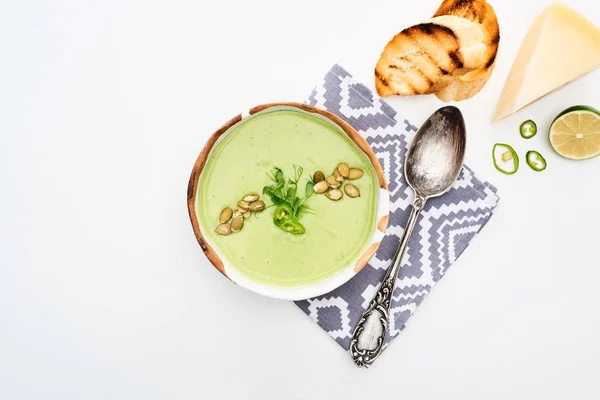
[(461, 3), (473, 10), (411, 86), (496, 39), (456, 59), (429, 81), (432, 29), (451, 8), (490, 62), (427, 28), (381, 79), (481, 15)]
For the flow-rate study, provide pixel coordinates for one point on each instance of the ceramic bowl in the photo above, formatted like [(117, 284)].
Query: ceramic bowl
[(312, 290)]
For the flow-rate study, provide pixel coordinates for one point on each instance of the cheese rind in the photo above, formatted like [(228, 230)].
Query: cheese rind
[(561, 46)]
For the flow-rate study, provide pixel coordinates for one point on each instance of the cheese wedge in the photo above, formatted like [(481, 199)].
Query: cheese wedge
[(561, 45)]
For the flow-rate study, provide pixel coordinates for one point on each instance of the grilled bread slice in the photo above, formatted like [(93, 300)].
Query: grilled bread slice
[(419, 56), (463, 84)]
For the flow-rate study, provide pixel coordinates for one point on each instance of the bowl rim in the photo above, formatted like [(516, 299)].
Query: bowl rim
[(317, 288)]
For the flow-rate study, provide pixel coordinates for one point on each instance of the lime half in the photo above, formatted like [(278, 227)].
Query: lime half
[(575, 133)]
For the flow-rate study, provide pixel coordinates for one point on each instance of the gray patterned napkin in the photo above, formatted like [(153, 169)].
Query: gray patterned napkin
[(446, 226)]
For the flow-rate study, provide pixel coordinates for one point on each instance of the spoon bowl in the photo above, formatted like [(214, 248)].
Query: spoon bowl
[(435, 157)]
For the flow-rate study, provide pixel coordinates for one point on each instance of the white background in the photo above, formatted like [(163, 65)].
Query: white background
[(104, 292)]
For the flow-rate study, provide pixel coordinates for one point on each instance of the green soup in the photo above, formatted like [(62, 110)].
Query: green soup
[(336, 234)]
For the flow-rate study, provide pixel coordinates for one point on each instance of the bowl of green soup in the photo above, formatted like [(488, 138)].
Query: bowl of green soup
[(288, 200)]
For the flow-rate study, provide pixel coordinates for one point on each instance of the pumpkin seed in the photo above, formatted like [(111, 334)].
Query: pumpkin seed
[(223, 229), (351, 190), (321, 187), (331, 180), (225, 215), (242, 205), (318, 177), (247, 214), (338, 177), (344, 169), (250, 198), (236, 214), (258, 205), (355, 173), (237, 224), (334, 194)]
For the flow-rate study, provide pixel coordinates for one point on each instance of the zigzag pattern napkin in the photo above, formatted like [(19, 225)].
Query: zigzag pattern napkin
[(446, 226)]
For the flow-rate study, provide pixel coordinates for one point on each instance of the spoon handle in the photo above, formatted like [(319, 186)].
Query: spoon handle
[(370, 332)]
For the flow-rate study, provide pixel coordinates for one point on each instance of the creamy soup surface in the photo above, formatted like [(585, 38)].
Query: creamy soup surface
[(337, 233)]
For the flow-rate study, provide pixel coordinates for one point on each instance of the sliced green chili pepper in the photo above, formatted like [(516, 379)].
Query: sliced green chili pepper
[(502, 155), (536, 161), (293, 227), (283, 218), (528, 129), (282, 213)]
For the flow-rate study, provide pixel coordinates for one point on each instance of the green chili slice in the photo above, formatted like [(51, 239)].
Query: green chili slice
[(283, 218), (292, 226), (536, 161), (282, 213), (505, 159), (528, 129)]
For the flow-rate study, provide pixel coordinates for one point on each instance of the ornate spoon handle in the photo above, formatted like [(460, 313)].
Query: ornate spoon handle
[(370, 332)]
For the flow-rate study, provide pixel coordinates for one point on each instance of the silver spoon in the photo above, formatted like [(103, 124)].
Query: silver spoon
[(433, 163)]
